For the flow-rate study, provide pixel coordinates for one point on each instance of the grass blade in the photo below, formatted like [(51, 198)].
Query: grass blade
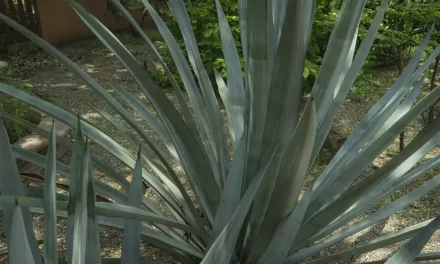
[(403, 108), (257, 84), (279, 14), (191, 156), (222, 249), (95, 134), (118, 261), (231, 194), (205, 127), (377, 243), (338, 56), (65, 143), (213, 110), (370, 219), (338, 99), (372, 121), (291, 175), (243, 13), (19, 249), (353, 170), (93, 250), (77, 222), (10, 184), (132, 236), (64, 170), (148, 117), (234, 93), (351, 202), (280, 246), (281, 119), (285, 94), (50, 217), (185, 109), (102, 209), (409, 251)]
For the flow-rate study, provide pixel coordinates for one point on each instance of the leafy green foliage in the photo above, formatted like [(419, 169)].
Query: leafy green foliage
[(13, 106), (207, 31), (402, 29), (373, 83)]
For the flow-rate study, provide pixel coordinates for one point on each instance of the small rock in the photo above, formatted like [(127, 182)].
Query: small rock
[(183, 180)]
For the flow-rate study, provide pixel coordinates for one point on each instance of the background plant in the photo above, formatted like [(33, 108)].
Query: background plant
[(402, 29), (253, 208), (13, 106)]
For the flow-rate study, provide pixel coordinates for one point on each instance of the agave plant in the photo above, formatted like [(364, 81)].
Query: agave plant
[(253, 206)]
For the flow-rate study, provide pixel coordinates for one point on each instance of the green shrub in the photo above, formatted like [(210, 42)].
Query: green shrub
[(403, 28), (255, 206), (13, 106)]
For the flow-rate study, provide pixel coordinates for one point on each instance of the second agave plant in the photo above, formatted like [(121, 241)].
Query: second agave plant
[(250, 207)]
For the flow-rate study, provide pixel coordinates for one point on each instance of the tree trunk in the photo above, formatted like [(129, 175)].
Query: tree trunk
[(431, 113), (399, 62)]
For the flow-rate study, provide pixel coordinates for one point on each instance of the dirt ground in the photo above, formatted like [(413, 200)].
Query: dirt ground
[(55, 83)]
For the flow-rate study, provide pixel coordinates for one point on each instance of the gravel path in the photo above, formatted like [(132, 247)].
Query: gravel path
[(55, 83)]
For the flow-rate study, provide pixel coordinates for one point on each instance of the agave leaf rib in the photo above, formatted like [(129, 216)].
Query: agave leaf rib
[(292, 173), (77, 223), (371, 122), (271, 41), (409, 251), (148, 117), (279, 14), (93, 250), (10, 184), (283, 107), (205, 128), (243, 16), (19, 249), (68, 145), (65, 143), (131, 244), (185, 108), (222, 250), (167, 176), (256, 96), (338, 56), (63, 169), (109, 214), (234, 92), (337, 101), (193, 159), (285, 86), (370, 219), (95, 134), (402, 109), (353, 170), (213, 110), (280, 246), (50, 217), (377, 243), (257, 85), (352, 201), (231, 194), (101, 188)]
